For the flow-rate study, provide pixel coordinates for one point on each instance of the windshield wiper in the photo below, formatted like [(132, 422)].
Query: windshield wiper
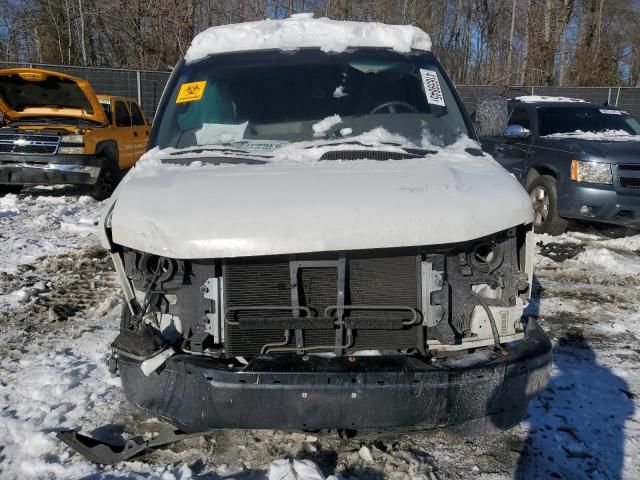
[(353, 142), (216, 149), (411, 150), (420, 151), (214, 160)]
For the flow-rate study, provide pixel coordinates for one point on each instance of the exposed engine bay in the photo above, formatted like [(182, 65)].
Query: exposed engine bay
[(425, 301)]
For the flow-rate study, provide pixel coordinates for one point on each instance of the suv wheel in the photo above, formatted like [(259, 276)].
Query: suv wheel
[(107, 181), (6, 189), (543, 191)]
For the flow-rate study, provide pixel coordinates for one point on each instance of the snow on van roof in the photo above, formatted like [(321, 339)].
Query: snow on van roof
[(544, 98), (304, 31)]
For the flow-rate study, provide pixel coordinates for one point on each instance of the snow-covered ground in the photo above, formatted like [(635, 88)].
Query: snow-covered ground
[(59, 311)]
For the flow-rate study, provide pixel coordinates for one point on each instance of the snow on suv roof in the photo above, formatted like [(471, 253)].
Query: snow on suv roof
[(545, 99), (304, 31)]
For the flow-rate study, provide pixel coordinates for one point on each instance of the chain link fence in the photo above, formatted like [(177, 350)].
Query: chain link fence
[(146, 86)]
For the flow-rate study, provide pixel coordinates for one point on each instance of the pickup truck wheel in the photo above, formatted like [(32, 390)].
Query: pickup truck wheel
[(543, 191), (6, 189), (107, 181)]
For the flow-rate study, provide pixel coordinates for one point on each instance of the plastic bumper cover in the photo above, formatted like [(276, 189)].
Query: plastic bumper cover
[(363, 393), (43, 170), (603, 204)]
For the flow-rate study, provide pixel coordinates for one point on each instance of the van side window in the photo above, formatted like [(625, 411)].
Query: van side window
[(123, 118), (520, 116), (136, 114)]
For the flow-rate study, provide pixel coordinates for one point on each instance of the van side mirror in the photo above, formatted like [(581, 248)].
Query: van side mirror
[(517, 132), (491, 116)]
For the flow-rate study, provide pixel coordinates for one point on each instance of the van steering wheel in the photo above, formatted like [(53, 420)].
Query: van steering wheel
[(392, 107)]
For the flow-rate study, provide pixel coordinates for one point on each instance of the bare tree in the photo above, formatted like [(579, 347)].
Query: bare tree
[(582, 42)]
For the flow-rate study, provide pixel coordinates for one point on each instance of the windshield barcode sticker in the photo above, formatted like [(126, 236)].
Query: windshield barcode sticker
[(610, 112), (432, 87)]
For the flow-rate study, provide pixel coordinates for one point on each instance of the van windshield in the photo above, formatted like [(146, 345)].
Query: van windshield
[(270, 98)]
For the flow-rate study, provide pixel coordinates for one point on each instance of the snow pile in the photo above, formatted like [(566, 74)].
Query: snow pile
[(9, 206), (157, 161), (294, 470), (310, 151), (624, 244), (339, 92), (380, 139), (608, 135), (53, 374), (606, 260), (304, 32), (323, 126), (544, 98), (23, 295), (42, 222)]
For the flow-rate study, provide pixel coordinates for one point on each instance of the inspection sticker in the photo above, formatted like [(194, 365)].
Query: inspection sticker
[(190, 92), (432, 87)]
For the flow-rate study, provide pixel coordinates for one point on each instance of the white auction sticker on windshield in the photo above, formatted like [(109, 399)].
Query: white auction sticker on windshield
[(432, 87)]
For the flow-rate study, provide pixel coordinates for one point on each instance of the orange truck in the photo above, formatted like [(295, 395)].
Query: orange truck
[(54, 129)]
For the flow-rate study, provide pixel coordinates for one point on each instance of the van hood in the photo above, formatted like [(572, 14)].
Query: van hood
[(28, 92), (249, 210)]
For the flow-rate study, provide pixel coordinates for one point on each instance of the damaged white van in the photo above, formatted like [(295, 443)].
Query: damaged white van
[(315, 240)]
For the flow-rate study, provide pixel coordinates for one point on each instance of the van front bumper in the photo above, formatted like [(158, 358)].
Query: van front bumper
[(49, 170), (291, 392)]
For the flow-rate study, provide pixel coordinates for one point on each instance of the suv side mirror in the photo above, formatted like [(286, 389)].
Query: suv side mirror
[(491, 116), (517, 131)]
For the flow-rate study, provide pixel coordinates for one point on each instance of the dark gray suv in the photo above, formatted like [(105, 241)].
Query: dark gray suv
[(577, 160)]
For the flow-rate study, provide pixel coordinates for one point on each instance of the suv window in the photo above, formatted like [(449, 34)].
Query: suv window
[(520, 116), (123, 118), (136, 114), (559, 120), (106, 106)]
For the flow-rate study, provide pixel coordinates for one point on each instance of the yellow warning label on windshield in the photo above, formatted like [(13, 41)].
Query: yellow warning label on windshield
[(191, 91)]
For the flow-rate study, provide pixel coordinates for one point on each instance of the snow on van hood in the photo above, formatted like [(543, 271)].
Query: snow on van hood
[(296, 204), (301, 31)]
